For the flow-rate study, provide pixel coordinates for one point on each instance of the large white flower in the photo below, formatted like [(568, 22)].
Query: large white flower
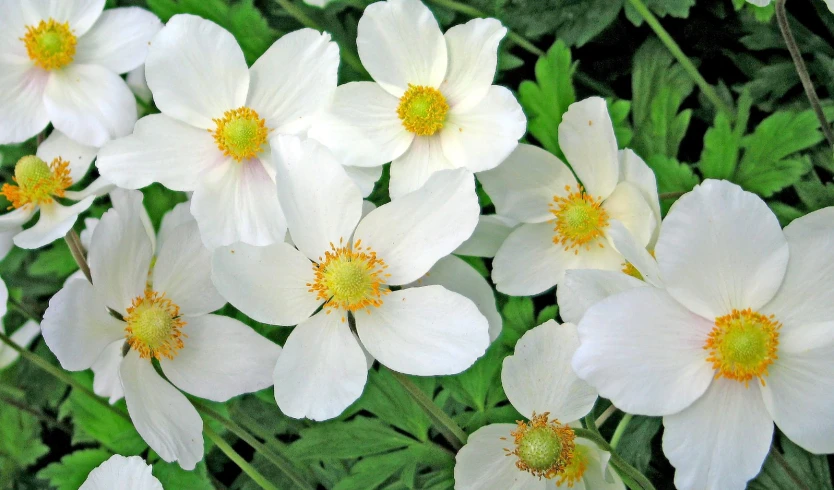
[(343, 268), (567, 225), (545, 453), (42, 178), (123, 473), (741, 336), (218, 117), (60, 62), (165, 309), (433, 105)]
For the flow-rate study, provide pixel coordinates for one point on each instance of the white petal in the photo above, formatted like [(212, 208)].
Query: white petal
[(22, 111), (362, 126), (425, 331), (90, 104), (488, 236), (597, 475), (364, 177), (634, 252), (124, 473), (23, 337), (586, 136), (196, 71), (294, 80), (628, 206), (412, 233), (481, 137), (11, 222), (411, 170), (321, 369), (53, 223), (79, 156), (4, 299), (139, 84), (400, 43), (87, 233), (119, 40), (721, 248), (13, 24), (269, 284), (7, 241), (539, 377), (106, 381), (473, 58), (721, 441), (163, 416), (583, 288), (635, 171), (483, 464), (524, 185), (179, 215), (80, 14), (644, 352), (163, 150), (77, 327), (322, 205), (129, 203)]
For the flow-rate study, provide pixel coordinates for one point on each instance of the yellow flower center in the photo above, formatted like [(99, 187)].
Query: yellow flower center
[(628, 268), (240, 133), (154, 326), (580, 220), (544, 448), (350, 279), (575, 469), (50, 45), (37, 182), (743, 344), (422, 110)]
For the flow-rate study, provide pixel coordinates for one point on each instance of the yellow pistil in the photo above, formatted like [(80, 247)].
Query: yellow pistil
[(422, 110), (154, 326), (544, 448), (50, 45), (743, 345), (574, 471), (580, 220), (628, 268), (37, 182), (350, 279), (240, 133)]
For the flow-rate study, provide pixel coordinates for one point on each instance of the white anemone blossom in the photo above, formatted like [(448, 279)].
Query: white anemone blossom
[(164, 300), (218, 117), (740, 336), (339, 277), (60, 62), (432, 105), (568, 224), (123, 473), (39, 181), (543, 452)]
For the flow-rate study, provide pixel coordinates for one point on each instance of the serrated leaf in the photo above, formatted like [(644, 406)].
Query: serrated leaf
[(811, 469), (20, 437), (360, 437), (661, 8), (672, 176), (722, 142), (519, 317), (474, 385), (386, 398), (73, 468), (619, 110)]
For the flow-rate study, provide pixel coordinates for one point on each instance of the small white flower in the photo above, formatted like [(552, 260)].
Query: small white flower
[(218, 117), (38, 180), (741, 336), (165, 310), (568, 225), (433, 105), (122, 473), (765, 3), (347, 265), (543, 452), (60, 63)]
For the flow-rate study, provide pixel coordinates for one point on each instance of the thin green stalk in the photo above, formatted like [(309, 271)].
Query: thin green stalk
[(620, 430), (238, 459), (77, 251), (629, 474), (684, 60), (23, 310), (444, 424), (671, 195), (605, 416), (777, 456), (23, 407)]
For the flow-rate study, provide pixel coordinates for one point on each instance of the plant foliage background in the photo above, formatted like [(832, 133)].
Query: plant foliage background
[(559, 51)]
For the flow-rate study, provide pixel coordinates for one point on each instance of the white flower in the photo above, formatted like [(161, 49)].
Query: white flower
[(567, 225), (433, 105), (38, 180), (60, 62), (765, 3), (165, 310), (347, 265), (545, 453), (740, 337), (218, 117), (123, 473)]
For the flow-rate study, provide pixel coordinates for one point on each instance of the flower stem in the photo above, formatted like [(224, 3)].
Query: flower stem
[(620, 430), (77, 251), (444, 424), (670, 195), (630, 474), (238, 459), (605, 415), (672, 46)]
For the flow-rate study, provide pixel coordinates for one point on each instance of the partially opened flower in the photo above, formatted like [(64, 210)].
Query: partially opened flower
[(344, 268), (218, 116), (542, 452), (432, 105), (123, 473), (567, 224), (61, 62), (740, 336), (39, 181), (164, 309)]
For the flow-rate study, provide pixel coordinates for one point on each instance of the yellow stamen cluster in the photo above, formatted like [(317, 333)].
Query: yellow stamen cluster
[(544, 448), (743, 345), (574, 471), (422, 110), (628, 268), (37, 182), (580, 220), (50, 45), (154, 326), (240, 133)]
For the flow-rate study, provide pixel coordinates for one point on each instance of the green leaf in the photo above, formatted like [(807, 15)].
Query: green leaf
[(722, 142), (55, 261), (619, 111), (672, 176), (547, 313), (360, 437), (20, 437), (812, 470), (159, 200), (386, 398), (372, 472), (473, 387), (73, 468), (519, 317), (636, 444), (661, 8), (171, 475)]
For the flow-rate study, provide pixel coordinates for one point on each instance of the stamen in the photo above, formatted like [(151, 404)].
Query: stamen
[(154, 326), (240, 133), (37, 182), (50, 45), (743, 345), (544, 448), (350, 279), (580, 220), (422, 110)]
